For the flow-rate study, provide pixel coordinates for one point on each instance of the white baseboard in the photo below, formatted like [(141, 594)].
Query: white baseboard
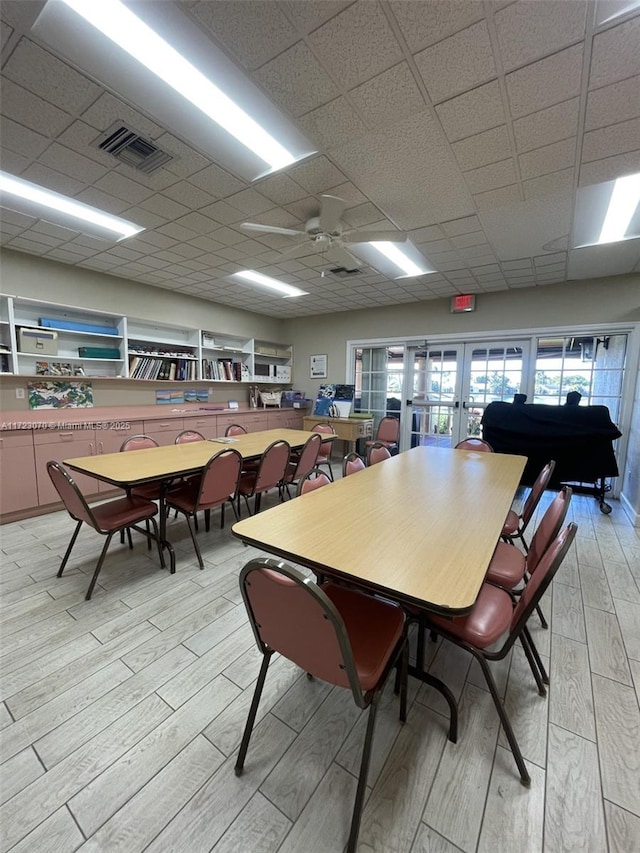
[(632, 515)]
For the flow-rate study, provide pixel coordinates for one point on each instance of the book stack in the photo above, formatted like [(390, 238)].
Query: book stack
[(161, 369), (225, 370)]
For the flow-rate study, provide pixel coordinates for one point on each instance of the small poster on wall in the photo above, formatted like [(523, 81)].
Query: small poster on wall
[(60, 395), (318, 366)]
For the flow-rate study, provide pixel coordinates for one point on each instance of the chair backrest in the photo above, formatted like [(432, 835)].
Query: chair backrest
[(324, 429), (539, 582), (548, 528), (235, 429), (188, 435), (272, 467), (290, 614), (311, 481), (377, 453), (308, 456), (220, 478), (537, 490), (138, 442), (474, 444), (352, 463), (388, 430), (71, 496)]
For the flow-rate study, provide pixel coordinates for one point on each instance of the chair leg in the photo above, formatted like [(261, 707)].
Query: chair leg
[(504, 719), (362, 778), (98, 567), (207, 520), (69, 548), (195, 541), (130, 540), (543, 621), (536, 655), (253, 710), (532, 665), (156, 536)]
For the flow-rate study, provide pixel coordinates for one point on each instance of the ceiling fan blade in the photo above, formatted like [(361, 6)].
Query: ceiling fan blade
[(375, 237), (271, 229), (331, 209), (338, 255)]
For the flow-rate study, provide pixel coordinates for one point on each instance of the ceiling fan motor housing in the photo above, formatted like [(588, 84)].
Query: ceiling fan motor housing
[(313, 227)]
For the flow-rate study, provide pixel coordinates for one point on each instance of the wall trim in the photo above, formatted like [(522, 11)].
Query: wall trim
[(629, 511)]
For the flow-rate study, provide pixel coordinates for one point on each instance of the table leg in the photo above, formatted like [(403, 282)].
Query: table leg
[(164, 542), (441, 687)]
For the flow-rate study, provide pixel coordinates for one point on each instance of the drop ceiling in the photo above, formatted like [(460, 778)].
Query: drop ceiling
[(470, 125)]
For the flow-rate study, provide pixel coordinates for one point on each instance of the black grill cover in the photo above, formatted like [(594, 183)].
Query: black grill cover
[(579, 438)]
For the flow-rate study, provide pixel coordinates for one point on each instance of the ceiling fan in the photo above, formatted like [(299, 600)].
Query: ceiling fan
[(327, 234)]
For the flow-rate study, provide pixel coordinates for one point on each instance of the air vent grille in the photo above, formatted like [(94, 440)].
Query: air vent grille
[(132, 149), (341, 272)]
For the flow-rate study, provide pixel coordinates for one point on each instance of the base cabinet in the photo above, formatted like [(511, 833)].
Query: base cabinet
[(18, 486)]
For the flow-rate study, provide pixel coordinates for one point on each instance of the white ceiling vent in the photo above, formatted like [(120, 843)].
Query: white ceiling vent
[(341, 272), (132, 149)]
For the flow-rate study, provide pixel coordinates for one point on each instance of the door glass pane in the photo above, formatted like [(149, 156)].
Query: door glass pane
[(379, 374), (495, 373), (435, 376)]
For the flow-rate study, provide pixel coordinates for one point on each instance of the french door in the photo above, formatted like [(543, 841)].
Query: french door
[(448, 386)]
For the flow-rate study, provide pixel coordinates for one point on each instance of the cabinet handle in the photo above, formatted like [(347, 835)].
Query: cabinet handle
[(101, 446), (91, 448), (65, 435)]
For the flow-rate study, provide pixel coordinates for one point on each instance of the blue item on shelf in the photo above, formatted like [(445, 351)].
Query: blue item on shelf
[(72, 326)]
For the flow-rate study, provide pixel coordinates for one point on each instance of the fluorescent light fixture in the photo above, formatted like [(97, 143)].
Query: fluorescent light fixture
[(396, 260), (624, 200), (608, 212), (34, 200), (270, 283), (609, 10), (156, 57)]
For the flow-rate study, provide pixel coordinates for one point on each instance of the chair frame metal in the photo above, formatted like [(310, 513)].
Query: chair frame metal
[(228, 430), (292, 478), (325, 460), (372, 449), (474, 443), (350, 458), (530, 504), (257, 495)]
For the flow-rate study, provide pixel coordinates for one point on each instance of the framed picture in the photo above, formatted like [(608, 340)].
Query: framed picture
[(318, 366)]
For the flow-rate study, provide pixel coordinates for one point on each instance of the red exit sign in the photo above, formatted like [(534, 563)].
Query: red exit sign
[(463, 303)]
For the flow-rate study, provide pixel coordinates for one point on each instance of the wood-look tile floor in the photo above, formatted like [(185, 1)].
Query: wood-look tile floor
[(121, 716)]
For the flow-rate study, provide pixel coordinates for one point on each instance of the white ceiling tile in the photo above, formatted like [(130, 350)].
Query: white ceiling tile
[(188, 194), (462, 226), (483, 148), (18, 138), (561, 181), (206, 243), (186, 161), (349, 192), (250, 202), (547, 126), (297, 81), (615, 54), (423, 24), (280, 188), (103, 201), (389, 97), (546, 82), (332, 124), (357, 44), (458, 63), (31, 111), (476, 238), (41, 73), (423, 235), (83, 138), (473, 112), (615, 139), (521, 230), (491, 177), (437, 246), (253, 30), (52, 180), (497, 198), (617, 102), (163, 206), (14, 163), (309, 16), (176, 231), (550, 158), (317, 174), (107, 110), (122, 187), (609, 168), (364, 214), (143, 217), (5, 34), (528, 31), (198, 223), (223, 213), (552, 259), (71, 163), (216, 181), (228, 237)]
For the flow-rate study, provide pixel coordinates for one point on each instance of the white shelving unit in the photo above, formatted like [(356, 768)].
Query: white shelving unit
[(226, 358), (7, 346), (272, 363), (162, 352)]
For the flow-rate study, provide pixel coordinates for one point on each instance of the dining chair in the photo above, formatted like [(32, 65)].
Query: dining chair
[(352, 463), (267, 475), (188, 435), (106, 518), (474, 444), (150, 491), (324, 456), (302, 465), (235, 429), (516, 524), (387, 434), (311, 481), (377, 453), (495, 616), (217, 485), (337, 634)]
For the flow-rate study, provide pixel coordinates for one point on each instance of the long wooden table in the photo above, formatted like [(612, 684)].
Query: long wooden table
[(420, 527), (165, 464)]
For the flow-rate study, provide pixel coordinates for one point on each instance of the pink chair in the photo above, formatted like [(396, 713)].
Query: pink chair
[(235, 429), (515, 525), (150, 491), (377, 453), (304, 463), (387, 434), (324, 456), (494, 616), (352, 463), (217, 485), (188, 435), (268, 475), (334, 633), (474, 444), (311, 481), (106, 518)]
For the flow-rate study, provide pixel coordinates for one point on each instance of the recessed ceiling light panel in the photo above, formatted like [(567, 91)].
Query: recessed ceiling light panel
[(608, 212), (155, 57), (395, 260), (265, 281)]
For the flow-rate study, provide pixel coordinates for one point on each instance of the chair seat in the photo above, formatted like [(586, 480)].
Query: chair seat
[(485, 624), (507, 566), (122, 512), (150, 491), (247, 481), (511, 524), (184, 497), (370, 649)]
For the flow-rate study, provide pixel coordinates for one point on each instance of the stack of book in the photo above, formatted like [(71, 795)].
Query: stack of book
[(225, 370), (170, 369)]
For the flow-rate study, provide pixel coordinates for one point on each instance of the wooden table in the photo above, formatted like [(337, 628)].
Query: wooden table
[(165, 464), (346, 429), (420, 527)]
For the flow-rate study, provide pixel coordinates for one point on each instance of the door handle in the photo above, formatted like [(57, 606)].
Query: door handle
[(456, 405), (464, 405)]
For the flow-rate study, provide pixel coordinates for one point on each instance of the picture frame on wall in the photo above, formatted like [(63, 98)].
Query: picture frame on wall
[(318, 366)]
